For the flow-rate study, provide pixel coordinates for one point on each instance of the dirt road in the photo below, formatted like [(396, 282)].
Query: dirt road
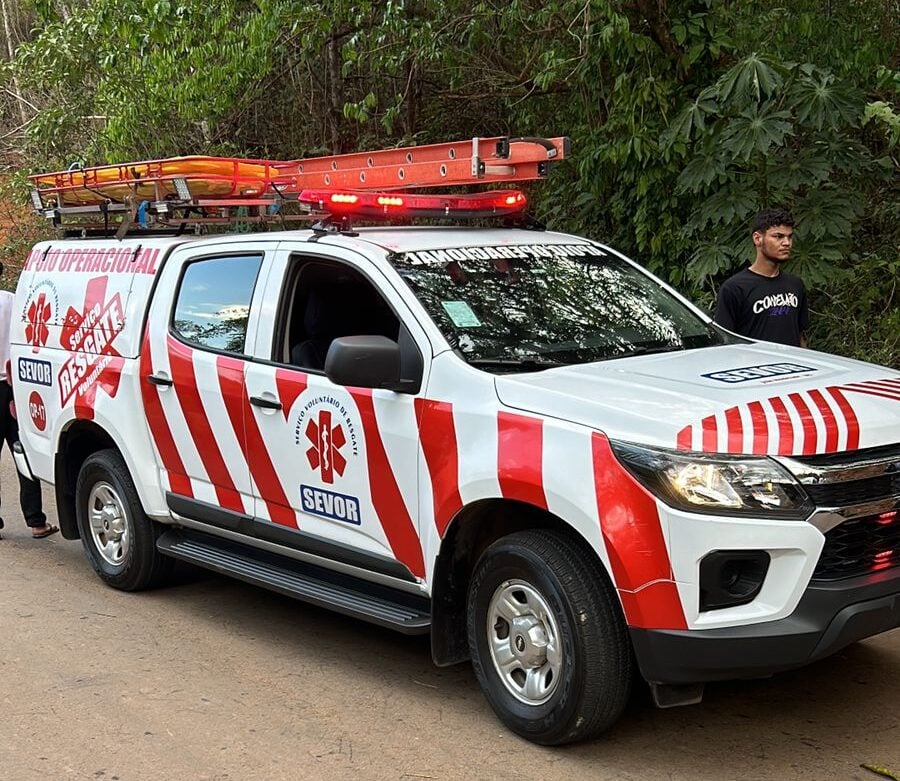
[(212, 679)]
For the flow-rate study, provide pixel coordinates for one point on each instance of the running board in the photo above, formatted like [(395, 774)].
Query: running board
[(354, 597)]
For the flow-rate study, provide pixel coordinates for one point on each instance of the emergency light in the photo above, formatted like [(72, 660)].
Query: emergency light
[(374, 205)]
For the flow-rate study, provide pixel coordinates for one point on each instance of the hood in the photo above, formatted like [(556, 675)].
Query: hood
[(755, 398)]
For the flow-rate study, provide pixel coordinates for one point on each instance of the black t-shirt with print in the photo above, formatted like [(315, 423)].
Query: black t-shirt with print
[(769, 308)]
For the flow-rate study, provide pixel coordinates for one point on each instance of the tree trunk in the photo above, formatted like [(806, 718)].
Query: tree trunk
[(11, 53), (413, 97), (335, 92), (656, 14)]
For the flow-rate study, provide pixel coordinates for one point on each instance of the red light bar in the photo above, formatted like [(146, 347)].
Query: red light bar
[(497, 203)]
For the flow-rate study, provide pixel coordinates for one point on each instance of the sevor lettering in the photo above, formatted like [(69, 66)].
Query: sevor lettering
[(36, 372), (328, 504), (747, 373)]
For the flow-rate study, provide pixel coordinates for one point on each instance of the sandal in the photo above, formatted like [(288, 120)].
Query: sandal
[(45, 532)]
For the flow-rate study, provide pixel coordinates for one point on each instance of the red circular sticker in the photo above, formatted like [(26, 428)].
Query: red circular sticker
[(38, 411)]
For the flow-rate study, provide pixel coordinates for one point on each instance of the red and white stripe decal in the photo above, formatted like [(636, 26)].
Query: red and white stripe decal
[(182, 368), (630, 524), (815, 421), (290, 385), (520, 453), (808, 423), (831, 423), (262, 470), (437, 435), (759, 427), (849, 417), (885, 389), (386, 497), (710, 432), (179, 482), (734, 427), (785, 426)]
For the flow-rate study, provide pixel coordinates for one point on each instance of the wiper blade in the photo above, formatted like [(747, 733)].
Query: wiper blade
[(642, 349), (531, 363)]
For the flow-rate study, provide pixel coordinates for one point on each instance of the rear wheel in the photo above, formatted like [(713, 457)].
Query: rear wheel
[(119, 539), (547, 639)]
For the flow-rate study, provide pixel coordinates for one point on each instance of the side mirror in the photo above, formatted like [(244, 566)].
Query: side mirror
[(365, 362)]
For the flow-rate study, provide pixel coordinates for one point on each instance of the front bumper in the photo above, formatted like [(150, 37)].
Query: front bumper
[(830, 616)]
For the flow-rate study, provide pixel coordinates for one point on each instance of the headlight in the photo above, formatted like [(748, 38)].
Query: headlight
[(716, 484)]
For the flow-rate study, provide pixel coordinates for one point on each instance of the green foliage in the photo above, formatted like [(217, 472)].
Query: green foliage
[(773, 134), (859, 314), (883, 114), (686, 116)]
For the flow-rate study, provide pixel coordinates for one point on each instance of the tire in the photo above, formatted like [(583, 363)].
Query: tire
[(547, 638), (119, 539)]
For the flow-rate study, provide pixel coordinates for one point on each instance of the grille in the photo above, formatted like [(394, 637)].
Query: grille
[(860, 546), (851, 481), (853, 457), (854, 491)]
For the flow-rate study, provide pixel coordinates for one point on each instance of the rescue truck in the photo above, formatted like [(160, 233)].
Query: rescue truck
[(516, 440)]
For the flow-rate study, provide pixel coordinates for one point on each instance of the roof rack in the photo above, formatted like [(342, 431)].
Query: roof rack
[(194, 191)]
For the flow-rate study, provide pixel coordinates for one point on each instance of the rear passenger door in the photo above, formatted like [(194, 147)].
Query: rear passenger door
[(192, 379)]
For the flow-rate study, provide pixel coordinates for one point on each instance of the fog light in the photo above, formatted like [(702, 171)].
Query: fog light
[(730, 578)]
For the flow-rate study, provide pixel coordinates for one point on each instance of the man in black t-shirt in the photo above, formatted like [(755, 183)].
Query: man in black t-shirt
[(764, 302)]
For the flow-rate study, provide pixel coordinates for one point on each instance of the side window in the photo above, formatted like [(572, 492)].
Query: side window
[(327, 301), (213, 301)]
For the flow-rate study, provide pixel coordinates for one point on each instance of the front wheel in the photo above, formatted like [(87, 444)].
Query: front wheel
[(547, 638), (119, 539)]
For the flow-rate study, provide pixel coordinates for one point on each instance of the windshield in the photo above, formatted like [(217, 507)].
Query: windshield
[(530, 307)]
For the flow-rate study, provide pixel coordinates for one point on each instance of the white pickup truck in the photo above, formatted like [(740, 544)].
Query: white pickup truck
[(516, 440)]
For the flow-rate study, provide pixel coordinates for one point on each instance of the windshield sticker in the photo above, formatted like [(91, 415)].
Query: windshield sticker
[(461, 314), (766, 372), (520, 251)]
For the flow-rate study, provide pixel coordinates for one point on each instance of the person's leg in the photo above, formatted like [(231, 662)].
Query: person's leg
[(30, 500), (5, 418), (29, 490)]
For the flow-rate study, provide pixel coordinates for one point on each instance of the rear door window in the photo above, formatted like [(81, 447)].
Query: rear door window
[(212, 306)]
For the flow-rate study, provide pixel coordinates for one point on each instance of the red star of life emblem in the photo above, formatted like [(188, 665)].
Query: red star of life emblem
[(93, 361), (36, 332), (326, 442)]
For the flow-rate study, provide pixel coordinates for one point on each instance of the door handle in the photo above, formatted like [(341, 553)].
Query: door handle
[(157, 379), (258, 401)]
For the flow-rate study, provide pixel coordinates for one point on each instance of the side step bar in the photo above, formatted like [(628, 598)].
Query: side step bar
[(354, 597)]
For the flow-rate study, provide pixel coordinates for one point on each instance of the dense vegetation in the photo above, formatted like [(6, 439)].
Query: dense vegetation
[(686, 115)]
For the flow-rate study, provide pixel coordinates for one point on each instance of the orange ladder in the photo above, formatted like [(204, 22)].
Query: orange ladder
[(208, 181)]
